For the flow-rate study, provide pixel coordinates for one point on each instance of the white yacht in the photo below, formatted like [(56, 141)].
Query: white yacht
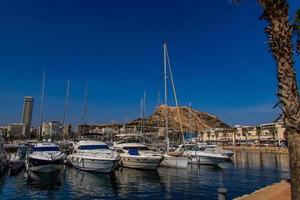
[(138, 156), (201, 156), (45, 158), (173, 160), (93, 156), (216, 149)]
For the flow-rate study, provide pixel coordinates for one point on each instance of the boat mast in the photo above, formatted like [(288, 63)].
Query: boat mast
[(166, 97), (42, 106), (141, 116), (66, 110), (144, 114), (175, 95), (84, 111), (190, 119)]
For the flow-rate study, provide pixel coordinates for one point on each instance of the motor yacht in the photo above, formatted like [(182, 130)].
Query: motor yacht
[(45, 157), (216, 149), (93, 156), (199, 155), (138, 156), (174, 160)]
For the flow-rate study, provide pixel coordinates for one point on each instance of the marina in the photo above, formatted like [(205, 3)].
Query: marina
[(150, 100), (247, 172)]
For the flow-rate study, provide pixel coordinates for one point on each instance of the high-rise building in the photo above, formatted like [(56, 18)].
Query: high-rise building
[(27, 113)]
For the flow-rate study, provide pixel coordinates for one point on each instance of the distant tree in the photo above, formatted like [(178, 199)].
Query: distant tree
[(258, 134), (280, 32), (245, 134), (234, 132), (273, 132)]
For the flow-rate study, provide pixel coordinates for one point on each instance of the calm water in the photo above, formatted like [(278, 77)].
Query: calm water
[(246, 173)]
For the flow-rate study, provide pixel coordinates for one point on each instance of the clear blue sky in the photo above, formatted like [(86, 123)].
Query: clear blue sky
[(218, 51)]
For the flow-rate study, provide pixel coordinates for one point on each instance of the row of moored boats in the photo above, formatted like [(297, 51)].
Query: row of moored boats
[(98, 156)]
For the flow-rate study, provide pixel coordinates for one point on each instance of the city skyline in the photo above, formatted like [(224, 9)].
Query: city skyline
[(220, 62)]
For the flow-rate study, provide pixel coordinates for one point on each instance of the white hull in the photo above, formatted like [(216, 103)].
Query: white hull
[(46, 169), (138, 162), (203, 160), (172, 161), (95, 165)]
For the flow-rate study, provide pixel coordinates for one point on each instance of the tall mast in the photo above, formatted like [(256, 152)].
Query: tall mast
[(144, 104), (42, 106), (84, 111), (175, 96), (144, 114), (141, 116), (190, 118), (166, 96), (66, 108)]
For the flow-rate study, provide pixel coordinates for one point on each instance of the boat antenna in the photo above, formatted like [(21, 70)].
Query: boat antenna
[(66, 109), (42, 105)]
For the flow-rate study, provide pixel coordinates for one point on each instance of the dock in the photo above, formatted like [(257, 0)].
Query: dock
[(281, 150)]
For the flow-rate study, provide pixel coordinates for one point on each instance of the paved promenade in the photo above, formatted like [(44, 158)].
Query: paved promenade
[(277, 191)]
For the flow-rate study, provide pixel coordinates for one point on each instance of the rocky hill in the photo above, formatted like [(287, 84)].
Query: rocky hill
[(191, 119)]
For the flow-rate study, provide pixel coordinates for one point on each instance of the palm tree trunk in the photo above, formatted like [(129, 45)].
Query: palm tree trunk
[(294, 152), (279, 32)]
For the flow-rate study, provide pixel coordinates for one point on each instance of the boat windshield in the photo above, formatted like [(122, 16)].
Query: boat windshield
[(93, 147), (45, 149), (191, 148), (139, 148)]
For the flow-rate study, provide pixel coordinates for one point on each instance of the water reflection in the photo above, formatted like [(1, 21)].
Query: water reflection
[(90, 185), (261, 160), (246, 173), (138, 183)]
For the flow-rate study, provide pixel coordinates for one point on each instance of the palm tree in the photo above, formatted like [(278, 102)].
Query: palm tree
[(258, 133), (234, 132), (280, 31), (274, 132), (245, 134)]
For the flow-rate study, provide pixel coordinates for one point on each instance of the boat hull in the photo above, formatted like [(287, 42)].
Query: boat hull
[(137, 162), (94, 165), (204, 160), (44, 166), (176, 162)]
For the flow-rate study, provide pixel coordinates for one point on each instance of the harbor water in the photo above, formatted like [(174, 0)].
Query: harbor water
[(246, 173)]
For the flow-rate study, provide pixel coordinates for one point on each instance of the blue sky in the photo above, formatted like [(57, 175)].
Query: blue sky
[(218, 53)]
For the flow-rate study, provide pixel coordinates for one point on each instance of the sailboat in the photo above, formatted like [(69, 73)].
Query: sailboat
[(44, 157), (176, 158)]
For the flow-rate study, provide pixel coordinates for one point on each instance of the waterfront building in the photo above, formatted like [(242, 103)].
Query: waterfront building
[(16, 130), (52, 129), (27, 113), (263, 134), (67, 131)]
